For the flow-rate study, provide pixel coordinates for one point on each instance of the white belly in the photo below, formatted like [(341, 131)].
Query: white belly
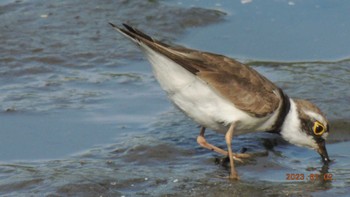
[(198, 100)]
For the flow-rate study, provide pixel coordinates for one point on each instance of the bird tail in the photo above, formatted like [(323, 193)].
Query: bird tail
[(133, 33)]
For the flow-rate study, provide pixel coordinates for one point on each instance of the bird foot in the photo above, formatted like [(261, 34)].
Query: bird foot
[(240, 156)]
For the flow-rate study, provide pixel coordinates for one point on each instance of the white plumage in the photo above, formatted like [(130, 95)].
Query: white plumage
[(229, 97), (199, 101)]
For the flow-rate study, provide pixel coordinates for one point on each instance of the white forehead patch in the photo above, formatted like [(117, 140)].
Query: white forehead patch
[(316, 116)]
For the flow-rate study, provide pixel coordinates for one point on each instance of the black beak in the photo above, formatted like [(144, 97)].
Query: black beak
[(323, 152)]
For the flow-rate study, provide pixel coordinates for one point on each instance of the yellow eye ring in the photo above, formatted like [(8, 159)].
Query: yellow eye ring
[(318, 128)]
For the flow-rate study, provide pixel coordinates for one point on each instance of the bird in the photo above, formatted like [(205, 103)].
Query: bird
[(229, 97)]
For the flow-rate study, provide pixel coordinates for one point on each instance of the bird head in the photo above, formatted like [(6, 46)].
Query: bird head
[(305, 125)]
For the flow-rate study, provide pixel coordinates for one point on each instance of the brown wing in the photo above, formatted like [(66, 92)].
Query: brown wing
[(239, 83)]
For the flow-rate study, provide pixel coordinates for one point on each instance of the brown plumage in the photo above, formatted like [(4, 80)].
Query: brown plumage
[(230, 97), (237, 82)]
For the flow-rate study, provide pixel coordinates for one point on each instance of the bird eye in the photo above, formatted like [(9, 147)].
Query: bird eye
[(318, 128)]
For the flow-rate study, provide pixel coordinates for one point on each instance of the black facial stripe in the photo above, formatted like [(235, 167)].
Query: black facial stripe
[(308, 125)]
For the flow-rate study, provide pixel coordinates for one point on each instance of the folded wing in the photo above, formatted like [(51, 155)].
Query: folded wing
[(237, 82)]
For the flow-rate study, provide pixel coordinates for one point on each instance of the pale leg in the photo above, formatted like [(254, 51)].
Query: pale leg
[(228, 138), (203, 142)]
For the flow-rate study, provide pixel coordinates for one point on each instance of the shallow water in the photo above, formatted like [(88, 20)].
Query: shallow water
[(82, 115)]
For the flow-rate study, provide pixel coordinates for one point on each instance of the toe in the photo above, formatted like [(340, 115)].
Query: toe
[(237, 159), (243, 155)]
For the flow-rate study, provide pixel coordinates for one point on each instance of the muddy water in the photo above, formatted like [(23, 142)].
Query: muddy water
[(82, 115)]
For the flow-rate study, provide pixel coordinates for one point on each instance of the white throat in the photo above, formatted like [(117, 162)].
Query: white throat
[(292, 130)]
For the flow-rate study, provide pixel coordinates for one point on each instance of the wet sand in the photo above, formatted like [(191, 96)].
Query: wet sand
[(82, 115)]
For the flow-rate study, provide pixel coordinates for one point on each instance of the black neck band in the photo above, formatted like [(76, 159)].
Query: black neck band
[(282, 113)]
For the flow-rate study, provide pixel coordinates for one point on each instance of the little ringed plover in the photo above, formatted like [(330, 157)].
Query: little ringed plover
[(229, 97)]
